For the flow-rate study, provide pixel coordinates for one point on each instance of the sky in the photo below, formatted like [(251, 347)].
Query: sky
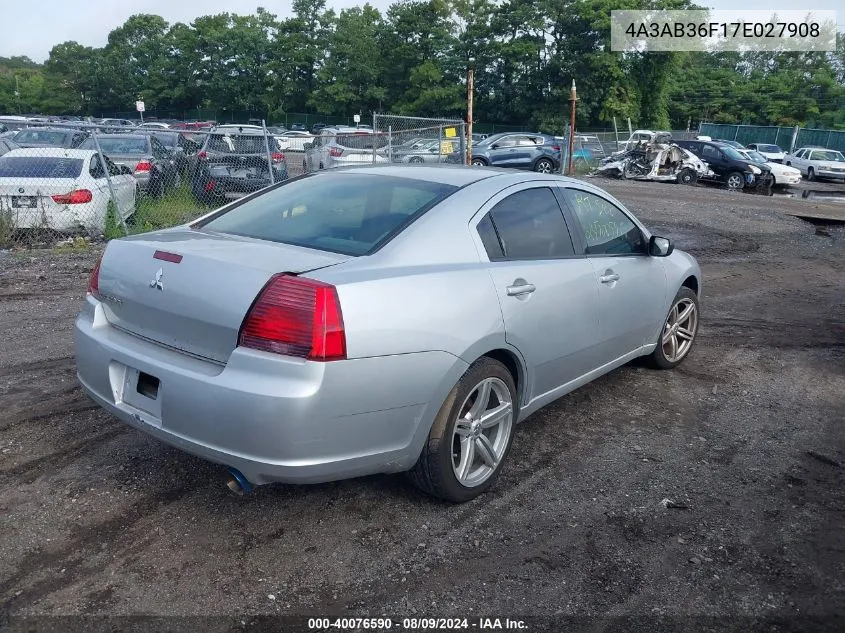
[(89, 22)]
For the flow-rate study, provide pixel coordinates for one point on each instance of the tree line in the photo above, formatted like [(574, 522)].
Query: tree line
[(412, 59)]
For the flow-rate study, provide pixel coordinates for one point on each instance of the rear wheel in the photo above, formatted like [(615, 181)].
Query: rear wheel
[(735, 181), (679, 331), (479, 162), (471, 435), (687, 176), (415, 159), (544, 166)]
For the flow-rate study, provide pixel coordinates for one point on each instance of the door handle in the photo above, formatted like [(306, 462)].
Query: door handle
[(609, 278), (520, 289)]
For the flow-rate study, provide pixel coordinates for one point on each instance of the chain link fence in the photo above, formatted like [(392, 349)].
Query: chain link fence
[(65, 181), (422, 140)]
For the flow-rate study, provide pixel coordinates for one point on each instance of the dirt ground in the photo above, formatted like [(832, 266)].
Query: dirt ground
[(745, 439)]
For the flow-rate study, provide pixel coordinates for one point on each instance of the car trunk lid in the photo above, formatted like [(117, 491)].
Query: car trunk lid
[(190, 290)]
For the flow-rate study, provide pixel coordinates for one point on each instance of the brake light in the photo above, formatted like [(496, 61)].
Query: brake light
[(335, 151), (144, 165), (203, 155), (77, 196), (209, 186), (296, 316), (555, 148), (277, 157), (94, 278)]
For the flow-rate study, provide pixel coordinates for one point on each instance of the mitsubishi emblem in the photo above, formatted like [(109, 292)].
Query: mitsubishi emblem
[(156, 283)]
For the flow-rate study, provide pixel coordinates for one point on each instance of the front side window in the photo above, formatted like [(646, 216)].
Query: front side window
[(607, 230), (352, 214), (529, 225), (708, 151)]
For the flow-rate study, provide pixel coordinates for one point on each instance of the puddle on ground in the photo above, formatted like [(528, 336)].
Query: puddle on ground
[(816, 195)]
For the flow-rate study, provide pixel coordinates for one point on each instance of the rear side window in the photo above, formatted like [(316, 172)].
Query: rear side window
[(607, 229), (136, 146), (352, 214), (530, 225), (39, 167)]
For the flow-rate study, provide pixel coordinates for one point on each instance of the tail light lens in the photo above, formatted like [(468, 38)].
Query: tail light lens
[(555, 148), (295, 316), (277, 157), (144, 165), (94, 279), (335, 151), (77, 196), (203, 155)]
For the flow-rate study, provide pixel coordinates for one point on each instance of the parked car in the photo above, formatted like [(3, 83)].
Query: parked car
[(782, 174), (293, 140), (342, 146), (315, 129), (772, 153), (734, 144), (117, 125), (146, 158), (50, 137), (423, 151), (817, 162), (179, 146), (537, 152), (232, 164), (727, 164), (298, 127), (7, 145), (311, 333), (154, 125), (477, 137), (61, 189)]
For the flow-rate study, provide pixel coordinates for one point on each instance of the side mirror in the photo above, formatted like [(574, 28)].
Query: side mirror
[(660, 246), (494, 146)]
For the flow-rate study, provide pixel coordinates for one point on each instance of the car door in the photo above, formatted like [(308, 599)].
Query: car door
[(797, 160), (631, 284), (163, 161), (547, 293), (713, 157), (124, 187), (503, 152)]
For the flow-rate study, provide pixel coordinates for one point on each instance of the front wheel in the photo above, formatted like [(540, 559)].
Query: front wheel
[(679, 331), (471, 435), (735, 181), (544, 166)]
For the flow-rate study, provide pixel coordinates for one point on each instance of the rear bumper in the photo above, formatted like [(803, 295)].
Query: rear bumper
[(226, 184), (67, 218), (272, 418)]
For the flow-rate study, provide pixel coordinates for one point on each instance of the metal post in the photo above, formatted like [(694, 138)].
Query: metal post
[(827, 143), (736, 131), (573, 97), (564, 151), (794, 139), (390, 143), (439, 143), (630, 129), (105, 169), (267, 148), (470, 97), (616, 133)]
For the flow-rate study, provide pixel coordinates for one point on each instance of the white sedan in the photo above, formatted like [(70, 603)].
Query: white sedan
[(783, 174), (61, 189), (818, 162), (293, 140)]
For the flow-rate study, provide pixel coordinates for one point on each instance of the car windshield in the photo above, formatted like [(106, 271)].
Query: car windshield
[(40, 136), (827, 154), (236, 144), (771, 149), (754, 156), (731, 152), (168, 140), (352, 214), (39, 167), (118, 145)]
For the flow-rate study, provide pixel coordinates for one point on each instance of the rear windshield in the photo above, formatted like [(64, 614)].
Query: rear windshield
[(118, 145), (40, 136), (235, 144), (168, 140), (359, 141), (352, 214), (39, 167), (771, 149)]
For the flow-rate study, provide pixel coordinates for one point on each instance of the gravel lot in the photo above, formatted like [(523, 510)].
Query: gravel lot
[(746, 439)]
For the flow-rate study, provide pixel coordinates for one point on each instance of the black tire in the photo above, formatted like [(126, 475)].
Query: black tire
[(811, 174), (415, 159), (659, 358), (434, 472), (733, 178), (544, 166), (200, 194), (687, 176), (478, 162)]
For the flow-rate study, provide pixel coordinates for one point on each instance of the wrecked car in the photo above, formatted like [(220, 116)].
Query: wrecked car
[(656, 159), (730, 168)]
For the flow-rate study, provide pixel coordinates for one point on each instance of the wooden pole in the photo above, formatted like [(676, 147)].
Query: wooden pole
[(470, 88), (616, 133), (572, 99)]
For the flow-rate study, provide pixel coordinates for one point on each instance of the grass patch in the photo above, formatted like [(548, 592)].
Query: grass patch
[(177, 207)]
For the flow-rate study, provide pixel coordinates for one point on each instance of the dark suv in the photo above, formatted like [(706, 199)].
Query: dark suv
[(537, 152), (234, 162), (729, 166)]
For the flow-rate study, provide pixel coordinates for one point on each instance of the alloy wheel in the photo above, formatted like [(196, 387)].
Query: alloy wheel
[(482, 432), (734, 182), (680, 330)]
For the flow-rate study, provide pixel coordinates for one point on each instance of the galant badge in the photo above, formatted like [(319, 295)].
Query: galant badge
[(157, 283)]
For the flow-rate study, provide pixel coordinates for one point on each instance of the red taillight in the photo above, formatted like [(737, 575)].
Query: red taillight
[(94, 279), (555, 148), (77, 196), (144, 165), (203, 155), (296, 317), (209, 186), (334, 151), (277, 157)]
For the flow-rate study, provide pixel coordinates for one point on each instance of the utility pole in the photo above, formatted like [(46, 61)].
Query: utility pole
[(470, 88), (18, 93), (572, 99)]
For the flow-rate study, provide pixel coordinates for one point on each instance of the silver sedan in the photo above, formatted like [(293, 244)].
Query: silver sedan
[(378, 320)]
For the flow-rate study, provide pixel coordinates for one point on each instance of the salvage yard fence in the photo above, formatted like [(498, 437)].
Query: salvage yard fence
[(787, 138)]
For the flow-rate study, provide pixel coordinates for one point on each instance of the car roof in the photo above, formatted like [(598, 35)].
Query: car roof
[(52, 152), (124, 135), (49, 128)]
